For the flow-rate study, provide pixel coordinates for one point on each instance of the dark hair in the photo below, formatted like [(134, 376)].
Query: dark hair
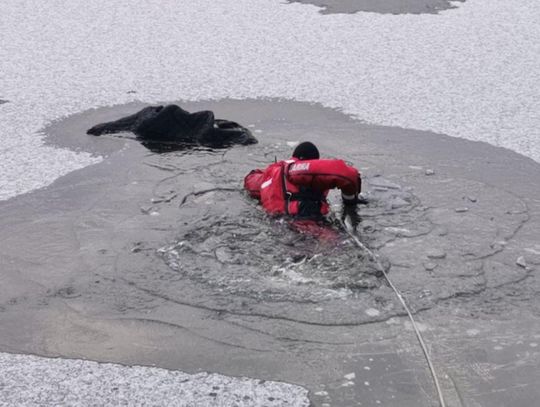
[(306, 151)]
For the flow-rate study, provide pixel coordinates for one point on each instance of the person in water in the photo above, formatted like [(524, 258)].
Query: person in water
[(298, 187)]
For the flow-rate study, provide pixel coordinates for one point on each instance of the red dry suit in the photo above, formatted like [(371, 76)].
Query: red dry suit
[(299, 187)]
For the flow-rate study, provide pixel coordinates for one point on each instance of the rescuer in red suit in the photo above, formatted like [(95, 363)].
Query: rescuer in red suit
[(298, 187)]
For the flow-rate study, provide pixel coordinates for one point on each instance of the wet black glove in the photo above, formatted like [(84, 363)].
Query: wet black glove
[(357, 200), (350, 211), (361, 200)]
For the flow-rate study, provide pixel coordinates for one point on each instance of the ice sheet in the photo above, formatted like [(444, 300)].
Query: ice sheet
[(471, 72)]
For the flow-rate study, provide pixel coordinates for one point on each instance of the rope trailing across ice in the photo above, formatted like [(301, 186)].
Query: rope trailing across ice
[(405, 306)]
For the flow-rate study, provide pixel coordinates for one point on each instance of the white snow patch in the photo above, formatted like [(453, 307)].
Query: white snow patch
[(32, 380), (470, 72)]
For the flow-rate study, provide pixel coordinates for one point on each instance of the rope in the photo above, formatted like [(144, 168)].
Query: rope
[(402, 300)]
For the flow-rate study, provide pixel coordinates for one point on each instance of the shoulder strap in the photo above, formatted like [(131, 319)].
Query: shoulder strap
[(286, 194)]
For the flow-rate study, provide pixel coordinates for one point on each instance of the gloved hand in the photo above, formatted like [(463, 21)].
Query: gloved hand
[(361, 200), (350, 211)]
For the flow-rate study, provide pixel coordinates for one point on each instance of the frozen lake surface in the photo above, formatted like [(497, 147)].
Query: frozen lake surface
[(471, 72), (161, 259)]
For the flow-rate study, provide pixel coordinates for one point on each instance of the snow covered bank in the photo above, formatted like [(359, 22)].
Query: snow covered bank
[(471, 72), (35, 381)]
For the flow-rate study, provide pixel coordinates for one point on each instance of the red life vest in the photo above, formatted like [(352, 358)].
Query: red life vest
[(287, 187)]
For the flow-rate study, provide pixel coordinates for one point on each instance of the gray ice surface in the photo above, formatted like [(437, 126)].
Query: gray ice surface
[(84, 271), (382, 6)]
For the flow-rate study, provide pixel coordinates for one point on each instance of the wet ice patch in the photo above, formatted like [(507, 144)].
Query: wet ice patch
[(384, 7), (229, 256), (421, 327), (233, 257)]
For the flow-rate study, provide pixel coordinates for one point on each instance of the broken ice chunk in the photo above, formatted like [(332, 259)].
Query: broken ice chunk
[(436, 254), (430, 266), (521, 262), (350, 376)]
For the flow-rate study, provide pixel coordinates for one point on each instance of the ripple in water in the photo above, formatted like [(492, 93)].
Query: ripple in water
[(236, 258), (231, 257), (264, 259)]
